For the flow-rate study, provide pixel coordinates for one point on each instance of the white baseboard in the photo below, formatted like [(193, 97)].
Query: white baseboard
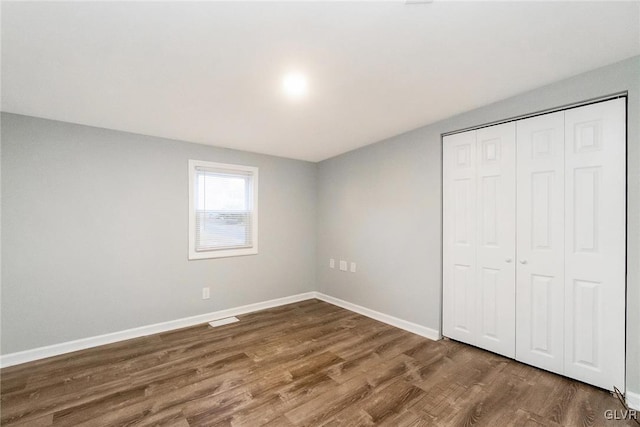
[(633, 400), (12, 359), (84, 343), (384, 318)]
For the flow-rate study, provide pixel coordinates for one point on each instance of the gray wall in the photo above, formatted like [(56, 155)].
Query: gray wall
[(94, 233), (380, 206)]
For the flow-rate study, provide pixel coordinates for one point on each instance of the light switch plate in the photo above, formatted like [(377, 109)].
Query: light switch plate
[(353, 267), (332, 263), (343, 265)]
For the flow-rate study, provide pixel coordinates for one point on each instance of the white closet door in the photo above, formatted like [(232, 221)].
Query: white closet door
[(459, 243), (540, 247), (495, 216), (595, 243)]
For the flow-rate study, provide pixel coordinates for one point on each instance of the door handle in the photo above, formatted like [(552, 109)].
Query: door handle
[(508, 260), (523, 261)]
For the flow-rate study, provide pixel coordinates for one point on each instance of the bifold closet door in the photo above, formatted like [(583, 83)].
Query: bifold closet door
[(479, 238), (496, 238), (556, 299), (459, 231), (540, 237), (595, 216)]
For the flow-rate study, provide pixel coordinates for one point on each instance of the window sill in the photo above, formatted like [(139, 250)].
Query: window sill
[(225, 253)]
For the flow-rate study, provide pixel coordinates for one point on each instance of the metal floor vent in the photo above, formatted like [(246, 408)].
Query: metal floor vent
[(224, 321)]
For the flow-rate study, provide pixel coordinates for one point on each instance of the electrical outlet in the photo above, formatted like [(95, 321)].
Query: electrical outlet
[(332, 263), (353, 267), (205, 293), (343, 265)]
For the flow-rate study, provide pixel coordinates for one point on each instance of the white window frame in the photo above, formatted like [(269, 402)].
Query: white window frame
[(221, 253)]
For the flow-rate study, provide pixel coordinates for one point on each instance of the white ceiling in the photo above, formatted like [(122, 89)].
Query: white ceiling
[(210, 72)]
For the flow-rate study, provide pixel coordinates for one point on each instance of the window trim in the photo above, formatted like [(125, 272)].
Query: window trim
[(221, 253)]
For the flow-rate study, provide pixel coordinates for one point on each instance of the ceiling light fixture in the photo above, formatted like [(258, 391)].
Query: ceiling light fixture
[(295, 85)]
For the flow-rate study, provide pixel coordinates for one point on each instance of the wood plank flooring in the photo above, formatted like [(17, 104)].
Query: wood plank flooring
[(304, 364)]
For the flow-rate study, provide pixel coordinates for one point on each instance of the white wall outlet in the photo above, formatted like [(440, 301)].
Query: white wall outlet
[(332, 263), (352, 267), (343, 265), (205, 293)]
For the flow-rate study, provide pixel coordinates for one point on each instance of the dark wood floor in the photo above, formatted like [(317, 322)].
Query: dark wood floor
[(304, 364)]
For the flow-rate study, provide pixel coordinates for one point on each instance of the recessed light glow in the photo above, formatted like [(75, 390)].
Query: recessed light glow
[(295, 85)]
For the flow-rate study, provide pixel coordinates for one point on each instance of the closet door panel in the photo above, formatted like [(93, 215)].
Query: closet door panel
[(459, 237), (540, 242), (595, 243), (495, 216)]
